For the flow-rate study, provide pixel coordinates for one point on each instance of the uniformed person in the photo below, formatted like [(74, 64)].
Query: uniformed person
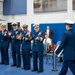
[(37, 50), (68, 44), (20, 29), (26, 47), (15, 46), (4, 44)]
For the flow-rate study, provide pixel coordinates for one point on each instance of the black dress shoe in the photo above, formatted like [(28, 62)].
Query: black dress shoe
[(34, 70), (13, 65), (2, 63), (27, 68), (39, 71), (6, 64), (18, 66), (23, 68)]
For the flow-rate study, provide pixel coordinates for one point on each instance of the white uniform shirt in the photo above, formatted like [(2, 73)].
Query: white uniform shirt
[(48, 40)]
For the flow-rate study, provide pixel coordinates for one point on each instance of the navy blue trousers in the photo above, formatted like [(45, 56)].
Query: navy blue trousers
[(16, 55), (38, 56), (26, 58), (68, 64), (4, 55)]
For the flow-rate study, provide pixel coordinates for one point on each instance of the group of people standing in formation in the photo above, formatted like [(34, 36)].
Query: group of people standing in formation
[(24, 37), (39, 38)]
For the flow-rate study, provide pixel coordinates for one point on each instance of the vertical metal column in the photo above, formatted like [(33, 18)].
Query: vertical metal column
[(54, 61)]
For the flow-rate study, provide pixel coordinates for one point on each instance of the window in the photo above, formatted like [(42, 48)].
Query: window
[(14, 7), (73, 4), (1, 7), (49, 5)]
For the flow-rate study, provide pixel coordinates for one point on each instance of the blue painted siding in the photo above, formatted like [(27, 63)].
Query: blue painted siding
[(58, 30)]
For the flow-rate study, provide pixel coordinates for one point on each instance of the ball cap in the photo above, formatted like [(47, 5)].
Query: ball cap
[(3, 25), (14, 24), (36, 26), (69, 22), (25, 26)]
